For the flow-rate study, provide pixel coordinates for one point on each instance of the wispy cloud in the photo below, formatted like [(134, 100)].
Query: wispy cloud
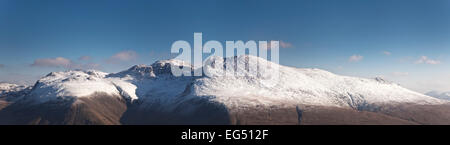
[(127, 55), (386, 53), (52, 62), (85, 58), (284, 44), (61, 62), (355, 58), (426, 60)]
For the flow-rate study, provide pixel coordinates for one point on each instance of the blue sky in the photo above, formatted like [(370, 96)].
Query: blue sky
[(405, 41)]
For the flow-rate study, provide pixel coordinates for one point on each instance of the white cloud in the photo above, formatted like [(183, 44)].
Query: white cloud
[(52, 62), (426, 60), (387, 53), (123, 56), (355, 58)]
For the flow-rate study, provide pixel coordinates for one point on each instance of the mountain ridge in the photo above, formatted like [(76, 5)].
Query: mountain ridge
[(147, 91)]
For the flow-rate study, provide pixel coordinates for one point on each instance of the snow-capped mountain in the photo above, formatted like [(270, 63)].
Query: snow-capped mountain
[(295, 86), (12, 91), (75, 84), (151, 94), (439, 95), (7, 87)]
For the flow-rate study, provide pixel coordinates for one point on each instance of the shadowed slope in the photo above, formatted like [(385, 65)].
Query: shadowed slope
[(98, 108), (421, 114), (3, 103)]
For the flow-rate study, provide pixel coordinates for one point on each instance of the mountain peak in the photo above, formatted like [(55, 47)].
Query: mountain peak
[(136, 71), (175, 62), (165, 66)]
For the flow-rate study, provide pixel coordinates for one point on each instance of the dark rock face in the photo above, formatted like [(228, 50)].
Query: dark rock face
[(138, 71), (162, 68)]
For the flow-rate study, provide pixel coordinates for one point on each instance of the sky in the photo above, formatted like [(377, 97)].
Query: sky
[(404, 41)]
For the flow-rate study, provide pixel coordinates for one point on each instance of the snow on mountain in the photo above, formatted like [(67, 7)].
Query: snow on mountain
[(304, 86), (155, 85), (7, 88), (160, 68), (439, 95), (80, 84)]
